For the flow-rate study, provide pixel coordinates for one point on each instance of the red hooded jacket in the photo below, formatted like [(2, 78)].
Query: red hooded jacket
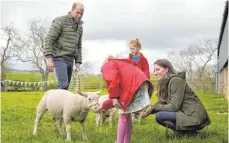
[(142, 64), (123, 79)]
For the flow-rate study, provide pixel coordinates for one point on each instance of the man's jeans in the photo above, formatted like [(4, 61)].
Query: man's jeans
[(63, 69), (164, 116)]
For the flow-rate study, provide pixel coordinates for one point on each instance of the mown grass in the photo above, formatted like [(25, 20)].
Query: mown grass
[(18, 114)]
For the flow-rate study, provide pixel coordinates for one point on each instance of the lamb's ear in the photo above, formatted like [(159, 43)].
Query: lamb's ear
[(97, 92), (81, 93)]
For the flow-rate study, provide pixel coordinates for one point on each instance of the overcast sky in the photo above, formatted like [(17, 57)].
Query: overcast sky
[(161, 25)]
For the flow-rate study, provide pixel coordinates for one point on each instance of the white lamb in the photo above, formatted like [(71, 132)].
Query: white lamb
[(101, 117), (65, 106)]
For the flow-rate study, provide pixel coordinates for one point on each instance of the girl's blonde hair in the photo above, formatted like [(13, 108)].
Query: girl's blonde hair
[(135, 42), (108, 58)]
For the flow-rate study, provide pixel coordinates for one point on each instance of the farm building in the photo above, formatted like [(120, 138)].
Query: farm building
[(222, 55)]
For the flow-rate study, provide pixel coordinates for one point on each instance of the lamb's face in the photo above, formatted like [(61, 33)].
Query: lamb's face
[(92, 100)]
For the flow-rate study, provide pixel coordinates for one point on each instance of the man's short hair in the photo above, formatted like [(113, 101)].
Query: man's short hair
[(75, 5)]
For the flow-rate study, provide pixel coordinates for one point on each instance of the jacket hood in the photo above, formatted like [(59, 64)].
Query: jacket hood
[(166, 80)]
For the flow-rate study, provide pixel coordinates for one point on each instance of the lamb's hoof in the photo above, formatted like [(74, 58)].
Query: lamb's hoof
[(68, 139), (62, 133), (85, 138), (34, 133)]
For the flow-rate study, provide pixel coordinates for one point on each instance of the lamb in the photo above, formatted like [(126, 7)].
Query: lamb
[(65, 106), (101, 117)]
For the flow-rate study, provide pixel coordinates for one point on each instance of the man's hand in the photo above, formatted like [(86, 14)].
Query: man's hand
[(116, 103), (77, 67), (50, 64)]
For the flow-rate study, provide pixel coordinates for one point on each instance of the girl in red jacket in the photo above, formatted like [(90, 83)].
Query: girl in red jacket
[(129, 90), (138, 57)]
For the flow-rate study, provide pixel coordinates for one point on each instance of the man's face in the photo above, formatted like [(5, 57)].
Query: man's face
[(77, 13)]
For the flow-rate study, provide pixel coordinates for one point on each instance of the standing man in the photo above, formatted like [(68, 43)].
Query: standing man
[(63, 45)]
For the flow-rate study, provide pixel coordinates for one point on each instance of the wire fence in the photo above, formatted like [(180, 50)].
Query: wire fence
[(84, 82)]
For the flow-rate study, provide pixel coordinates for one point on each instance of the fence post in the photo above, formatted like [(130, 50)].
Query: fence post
[(79, 82), (5, 82), (76, 83), (82, 82)]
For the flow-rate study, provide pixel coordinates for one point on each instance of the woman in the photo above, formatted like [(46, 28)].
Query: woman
[(129, 90), (178, 107)]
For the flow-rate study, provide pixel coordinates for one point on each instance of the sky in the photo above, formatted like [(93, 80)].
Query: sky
[(160, 25)]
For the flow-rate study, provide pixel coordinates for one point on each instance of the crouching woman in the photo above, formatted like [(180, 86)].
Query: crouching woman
[(178, 107)]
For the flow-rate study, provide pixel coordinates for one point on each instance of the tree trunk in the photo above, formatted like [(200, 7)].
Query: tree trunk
[(44, 79), (2, 87)]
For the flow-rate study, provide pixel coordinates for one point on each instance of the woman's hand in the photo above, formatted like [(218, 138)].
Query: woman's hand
[(147, 111), (116, 103)]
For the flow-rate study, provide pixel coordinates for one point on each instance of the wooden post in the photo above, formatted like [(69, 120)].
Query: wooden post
[(5, 82), (76, 83), (82, 82)]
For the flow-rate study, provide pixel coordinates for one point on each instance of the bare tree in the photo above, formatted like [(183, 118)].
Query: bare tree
[(9, 40), (86, 67), (205, 53), (33, 49), (209, 73), (182, 62), (195, 58)]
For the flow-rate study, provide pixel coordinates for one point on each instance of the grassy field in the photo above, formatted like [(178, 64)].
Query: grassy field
[(18, 114), (27, 76), (88, 82)]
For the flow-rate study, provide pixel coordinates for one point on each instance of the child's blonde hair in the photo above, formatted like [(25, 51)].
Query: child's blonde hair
[(135, 42), (108, 58)]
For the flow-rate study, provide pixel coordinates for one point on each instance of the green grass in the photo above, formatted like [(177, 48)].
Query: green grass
[(27, 76), (18, 114)]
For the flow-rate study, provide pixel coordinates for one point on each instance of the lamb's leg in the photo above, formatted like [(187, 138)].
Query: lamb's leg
[(97, 117), (83, 130), (40, 112), (62, 124), (104, 118), (58, 123), (101, 119), (68, 125), (111, 119)]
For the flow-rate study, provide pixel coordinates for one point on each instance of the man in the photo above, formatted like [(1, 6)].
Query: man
[(63, 45)]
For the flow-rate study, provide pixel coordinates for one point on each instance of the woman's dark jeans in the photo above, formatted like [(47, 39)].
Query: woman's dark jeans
[(166, 119)]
